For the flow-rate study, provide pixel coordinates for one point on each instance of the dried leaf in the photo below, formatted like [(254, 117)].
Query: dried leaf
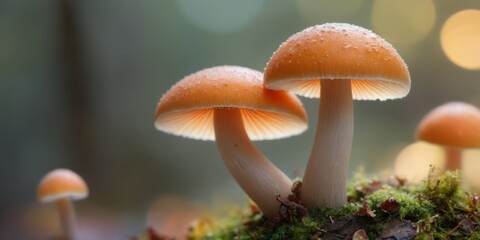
[(399, 230), (340, 229), (294, 196), (390, 205), (370, 188), (365, 211), (290, 210)]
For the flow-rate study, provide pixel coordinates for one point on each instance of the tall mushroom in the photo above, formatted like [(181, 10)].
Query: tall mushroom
[(337, 62), (62, 186), (230, 105), (453, 125)]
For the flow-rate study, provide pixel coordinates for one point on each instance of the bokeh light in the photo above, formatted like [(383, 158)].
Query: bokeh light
[(319, 11), (460, 39), (403, 22), (171, 216), (470, 168), (220, 16), (413, 163)]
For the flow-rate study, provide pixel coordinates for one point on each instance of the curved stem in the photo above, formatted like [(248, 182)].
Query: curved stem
[(324, 183), (454, 158), (258, 177), (67, 218)]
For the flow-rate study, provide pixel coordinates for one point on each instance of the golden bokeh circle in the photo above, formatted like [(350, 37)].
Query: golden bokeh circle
[(460, 39)]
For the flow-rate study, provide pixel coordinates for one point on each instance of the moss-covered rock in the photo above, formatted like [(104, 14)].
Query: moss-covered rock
[(378, 209), (383, 208)]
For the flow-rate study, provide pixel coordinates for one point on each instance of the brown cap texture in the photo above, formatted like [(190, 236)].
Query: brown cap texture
[(187, 108), (454, 124), (61, 183), (338, 51)]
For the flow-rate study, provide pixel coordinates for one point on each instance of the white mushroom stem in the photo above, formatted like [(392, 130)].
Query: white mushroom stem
[(324, 183), (67, 217), (257, 176), (454, 158)]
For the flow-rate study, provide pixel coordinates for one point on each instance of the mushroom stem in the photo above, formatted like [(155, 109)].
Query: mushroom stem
[(324, 183), (257, 176), (454, 158), (67, 217)]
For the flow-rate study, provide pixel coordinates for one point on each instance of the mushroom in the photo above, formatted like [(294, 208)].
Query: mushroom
[(413, 164), (455, 126), (62, 186), (337, 62), (230, 105)]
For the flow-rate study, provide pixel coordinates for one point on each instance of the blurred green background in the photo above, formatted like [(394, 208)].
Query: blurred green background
[(80, 80)]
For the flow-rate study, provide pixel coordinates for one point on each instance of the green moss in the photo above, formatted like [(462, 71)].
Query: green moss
[(326, 213), (446, 191), (296, 230), (413, 206), (437, 209)]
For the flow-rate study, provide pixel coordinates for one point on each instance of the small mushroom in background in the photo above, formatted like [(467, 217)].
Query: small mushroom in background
[(414, 163), (230, 105), (470, 170), (62, 186), (337, 63), (453, 125)]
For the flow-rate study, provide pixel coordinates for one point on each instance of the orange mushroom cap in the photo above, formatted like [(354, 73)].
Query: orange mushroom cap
[(61, 183), (338, 51), (454, 124), (187, 108)]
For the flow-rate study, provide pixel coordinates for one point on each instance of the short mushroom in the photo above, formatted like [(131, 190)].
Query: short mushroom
[(455, 126), (62, 186), (230, 105), (415, 162), (337, 62)]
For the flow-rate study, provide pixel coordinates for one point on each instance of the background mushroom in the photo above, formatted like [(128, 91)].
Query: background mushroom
[(414, 162), (455, 126), (230, 105), (62, 186), (337, 62)]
